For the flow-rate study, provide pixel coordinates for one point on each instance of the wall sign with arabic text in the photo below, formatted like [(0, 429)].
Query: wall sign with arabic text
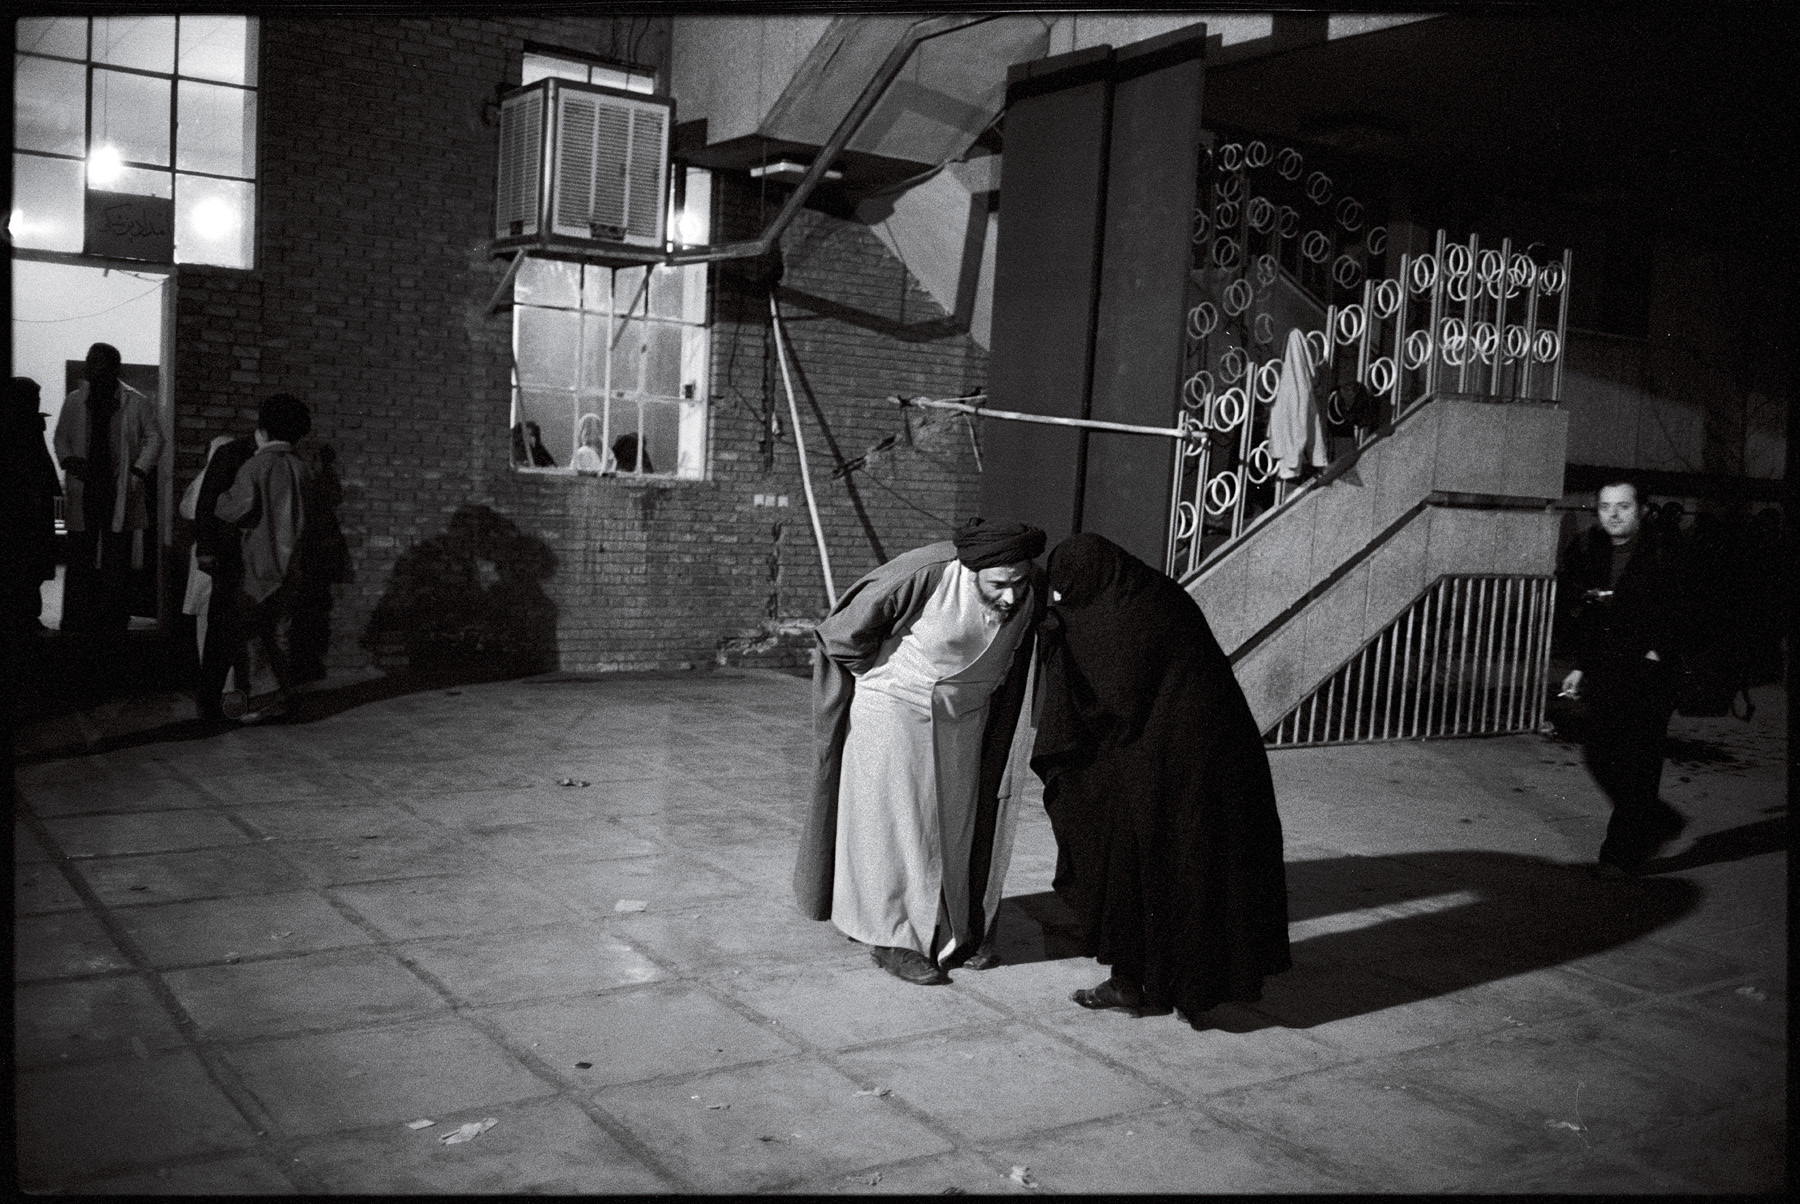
[(123, 226)]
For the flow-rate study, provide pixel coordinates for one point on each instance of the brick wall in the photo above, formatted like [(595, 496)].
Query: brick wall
[(377, 163)]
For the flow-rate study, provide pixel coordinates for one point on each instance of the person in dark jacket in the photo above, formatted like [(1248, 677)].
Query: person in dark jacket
[(1623, 586), (29, 489), (1158, 788)]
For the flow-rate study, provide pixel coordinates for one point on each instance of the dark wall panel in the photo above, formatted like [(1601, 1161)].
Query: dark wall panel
[(1139, 324), (1045, 278)]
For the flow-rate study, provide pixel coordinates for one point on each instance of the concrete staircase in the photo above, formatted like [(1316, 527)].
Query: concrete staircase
[(1459, 486)]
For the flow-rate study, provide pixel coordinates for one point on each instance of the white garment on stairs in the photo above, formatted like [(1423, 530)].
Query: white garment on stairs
[(1295, 431)]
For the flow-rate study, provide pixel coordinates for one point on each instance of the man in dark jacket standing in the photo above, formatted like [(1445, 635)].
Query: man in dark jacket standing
[(1625, 593)]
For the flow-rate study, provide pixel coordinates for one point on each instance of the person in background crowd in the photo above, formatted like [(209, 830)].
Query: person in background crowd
[(626, 454), (224, 666), (267, 502), (1625, 589), (592, 456), (108, 440), (28, 493), (919, 678), (1158, 788)]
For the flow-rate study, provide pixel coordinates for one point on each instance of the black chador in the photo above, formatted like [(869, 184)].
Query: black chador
[(1158, 788)]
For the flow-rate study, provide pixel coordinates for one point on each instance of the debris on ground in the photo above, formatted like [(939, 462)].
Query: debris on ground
[(1570, 1125), (1753, 993), (421, 1123), (469, 1131), (876, 1091), (584, 1065), (870, 1179), (717, 1107), (630, 905), (572, 782), (1022, 1176), (140, 1049)]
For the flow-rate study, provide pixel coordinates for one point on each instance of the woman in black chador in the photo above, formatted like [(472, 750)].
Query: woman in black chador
[(1168, 842)]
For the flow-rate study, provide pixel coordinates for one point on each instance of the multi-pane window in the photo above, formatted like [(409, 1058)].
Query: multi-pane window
[(610, 364), (146, 106)]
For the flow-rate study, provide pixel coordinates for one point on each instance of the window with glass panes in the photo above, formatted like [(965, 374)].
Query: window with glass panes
[(161, 106), (610, 363)]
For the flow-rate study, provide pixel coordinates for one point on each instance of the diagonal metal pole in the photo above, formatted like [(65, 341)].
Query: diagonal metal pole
[(812, 507)]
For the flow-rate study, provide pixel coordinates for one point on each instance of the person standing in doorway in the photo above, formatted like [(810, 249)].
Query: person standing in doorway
[(919, 679), (108, 441), (29, 489), (1628, 606)]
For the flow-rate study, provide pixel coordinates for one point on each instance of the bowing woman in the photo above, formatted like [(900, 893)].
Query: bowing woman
[(1158, 788)]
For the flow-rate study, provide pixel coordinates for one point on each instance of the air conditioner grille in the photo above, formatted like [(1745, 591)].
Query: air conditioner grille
[(521, 165)]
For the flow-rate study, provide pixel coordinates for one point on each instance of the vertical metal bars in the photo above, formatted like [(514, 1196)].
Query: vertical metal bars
[(1469, 657)]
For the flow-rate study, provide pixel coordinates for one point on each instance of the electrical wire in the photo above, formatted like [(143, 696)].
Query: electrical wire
[(85, 317)]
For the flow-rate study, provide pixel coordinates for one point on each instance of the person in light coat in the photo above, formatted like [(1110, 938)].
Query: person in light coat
[(108, 440)]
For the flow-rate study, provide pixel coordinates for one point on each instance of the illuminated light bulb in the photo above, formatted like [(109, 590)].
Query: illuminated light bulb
[(105, 165), (214, 218), (690, 228)]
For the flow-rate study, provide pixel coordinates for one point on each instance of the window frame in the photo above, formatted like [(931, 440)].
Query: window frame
[(174, 78), (609, 317)]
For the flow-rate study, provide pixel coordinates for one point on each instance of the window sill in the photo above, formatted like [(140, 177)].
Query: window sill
[(611, 478)]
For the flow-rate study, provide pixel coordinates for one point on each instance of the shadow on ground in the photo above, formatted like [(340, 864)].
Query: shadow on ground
[(1381, 932)]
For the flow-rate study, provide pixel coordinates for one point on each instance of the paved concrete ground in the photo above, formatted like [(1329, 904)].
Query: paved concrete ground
[(246, 961)]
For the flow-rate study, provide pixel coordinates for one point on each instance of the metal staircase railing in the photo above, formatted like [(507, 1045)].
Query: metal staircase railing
[(1470, 656)]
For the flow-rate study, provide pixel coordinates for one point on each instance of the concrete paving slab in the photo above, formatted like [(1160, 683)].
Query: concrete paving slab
[(186, 934), (150, 832), (1026, 989), (1582, 1172), (1170, 1150), (57, 1022), (664, 882), (235, 1175), (1736, 1151), (647, 1033), (329, 1082), (326, 817), (261, 787), (356, 857), (442, 905), (937, 1175), (814, 1122), (1653, 966), (40, 887), (113, 1116), (584, 840), (63, 945), (113, 794), (1549, 1077), (726, 932), (1001, 1082), (837, 1008), (543, 1146), (1365, 1120), (1239, 1047), (27, 848), (200, 874), (534, 963), (312, 991)]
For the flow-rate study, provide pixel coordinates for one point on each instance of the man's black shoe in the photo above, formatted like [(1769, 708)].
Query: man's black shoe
[(909, 964)]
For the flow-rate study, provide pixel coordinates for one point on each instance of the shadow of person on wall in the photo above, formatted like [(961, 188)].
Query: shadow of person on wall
[(467, 605), (325, 562), (1372, 933)]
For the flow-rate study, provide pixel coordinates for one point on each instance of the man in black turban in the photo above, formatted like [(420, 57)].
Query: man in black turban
[(921, 671)]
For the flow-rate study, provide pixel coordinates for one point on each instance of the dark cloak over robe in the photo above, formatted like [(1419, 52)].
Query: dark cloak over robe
[(1157, 785), (881, 605)]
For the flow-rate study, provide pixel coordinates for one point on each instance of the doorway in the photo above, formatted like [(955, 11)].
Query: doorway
[(62, 306)]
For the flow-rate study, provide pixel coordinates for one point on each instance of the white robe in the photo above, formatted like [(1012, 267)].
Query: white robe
[(911, 770)]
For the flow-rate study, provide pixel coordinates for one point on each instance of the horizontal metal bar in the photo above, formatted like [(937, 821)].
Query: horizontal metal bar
[(1091, 424)]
